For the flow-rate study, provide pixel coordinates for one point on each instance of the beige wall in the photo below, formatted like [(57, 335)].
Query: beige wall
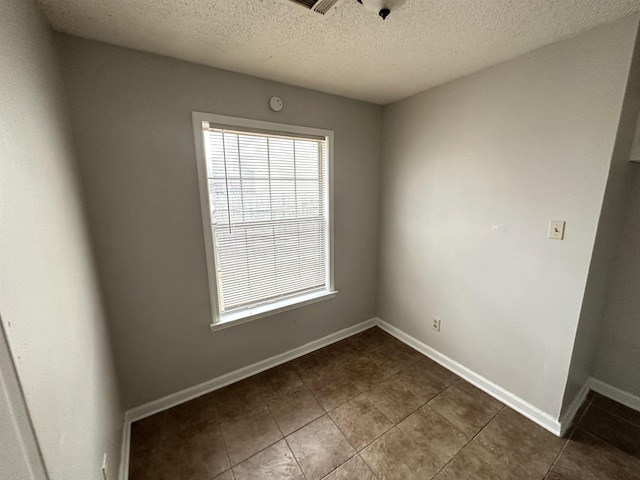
[(619, 354), (512, 146), (49, 297), (132, 120)]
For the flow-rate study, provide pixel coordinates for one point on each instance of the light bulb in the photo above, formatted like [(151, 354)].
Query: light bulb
[(382, 7)]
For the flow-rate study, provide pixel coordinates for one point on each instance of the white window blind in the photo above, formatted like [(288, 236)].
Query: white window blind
[(269, 215)]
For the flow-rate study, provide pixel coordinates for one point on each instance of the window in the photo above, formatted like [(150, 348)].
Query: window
[(266, 203)]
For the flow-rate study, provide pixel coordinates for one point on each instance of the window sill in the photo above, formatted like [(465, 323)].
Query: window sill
[(244, 316)]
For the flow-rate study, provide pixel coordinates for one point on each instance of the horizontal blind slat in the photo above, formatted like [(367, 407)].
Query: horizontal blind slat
[(275, 298), (267, 194)]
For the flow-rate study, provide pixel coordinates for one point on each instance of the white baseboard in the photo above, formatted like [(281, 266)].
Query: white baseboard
[(190, 393), (126, 444), (566, 419), (545, 420), (521, 406), (620, 396), (625, 398)]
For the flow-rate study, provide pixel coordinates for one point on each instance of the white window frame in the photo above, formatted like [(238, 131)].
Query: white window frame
[(235, 318)]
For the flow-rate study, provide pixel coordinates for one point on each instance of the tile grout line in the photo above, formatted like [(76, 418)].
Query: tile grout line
[(577, 422), (366, 355), (634, 411), (357, 452), (456, 427), (264, 448), (266, 401), (304, 475), (284, 437), (333, 470), (343, 434), (226, 452), (471, 440), (425, 403), (608, 444), (226, 449), (326, 412), (566, 444), (337, 361), (286, 442), (305, 384), (616, 415), (593, 434), (395, 425), (352, 445), (473, 400), (259, 451), (445, 419), (555, 460), (375, 477)]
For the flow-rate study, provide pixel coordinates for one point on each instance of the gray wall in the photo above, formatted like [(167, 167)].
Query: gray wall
[(49, 296), (512, 146), (19, 456), (617, 363), (132, 120), (616, 199)]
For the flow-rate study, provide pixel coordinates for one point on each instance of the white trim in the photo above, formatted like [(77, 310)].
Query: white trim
[(329, 211), (566, 419), (198, 118), (12, 398), (545, 420), (521, 406), (247, 123), (205, 210), (620, 396), (625, 398), (190, 393), (126, 447), (244, 316)]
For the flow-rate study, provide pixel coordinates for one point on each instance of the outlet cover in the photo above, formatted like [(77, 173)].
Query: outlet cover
[(436, 324)]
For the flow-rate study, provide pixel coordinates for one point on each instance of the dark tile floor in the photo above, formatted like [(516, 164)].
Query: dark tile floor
[(368, 408)]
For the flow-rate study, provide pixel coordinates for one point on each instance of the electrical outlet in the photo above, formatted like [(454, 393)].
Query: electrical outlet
[(436, 324), (104, 467)]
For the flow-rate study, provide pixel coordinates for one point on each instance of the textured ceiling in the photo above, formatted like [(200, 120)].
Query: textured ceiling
[(351, 52)]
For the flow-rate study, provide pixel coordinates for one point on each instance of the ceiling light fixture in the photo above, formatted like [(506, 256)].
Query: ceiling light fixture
[(381, 7)]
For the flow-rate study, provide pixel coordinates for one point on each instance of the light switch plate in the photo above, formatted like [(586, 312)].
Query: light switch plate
[(556, 229)]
